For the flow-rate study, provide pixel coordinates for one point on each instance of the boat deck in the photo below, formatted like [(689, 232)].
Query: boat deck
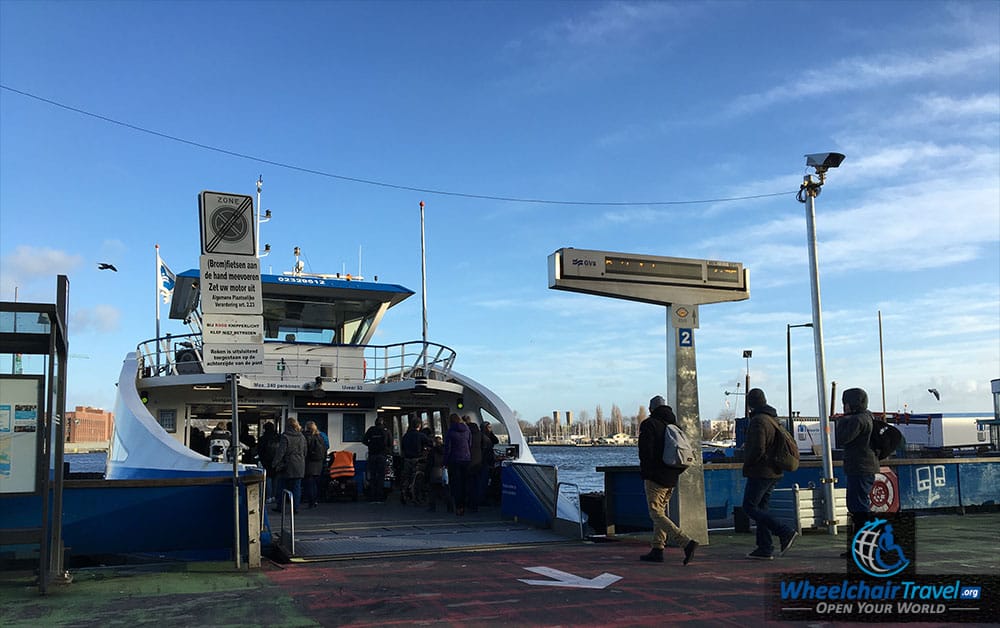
[(350, 530)]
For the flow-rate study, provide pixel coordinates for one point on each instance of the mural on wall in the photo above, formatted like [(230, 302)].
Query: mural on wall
[(929, 479)]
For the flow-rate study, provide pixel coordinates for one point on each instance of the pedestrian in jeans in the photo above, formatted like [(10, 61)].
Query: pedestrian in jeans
[(762, 475), (660, 482)]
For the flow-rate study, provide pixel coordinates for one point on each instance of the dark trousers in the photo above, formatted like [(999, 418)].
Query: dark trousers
[(287, 484), (311, 489), (756, 498), (458, 479), (376, 476), (859, 488)]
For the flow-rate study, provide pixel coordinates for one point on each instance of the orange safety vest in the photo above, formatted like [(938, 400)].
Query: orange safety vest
[(342, 465)]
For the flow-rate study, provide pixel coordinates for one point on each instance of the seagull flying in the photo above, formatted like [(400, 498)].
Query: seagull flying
[(934, 391), (106, 266)]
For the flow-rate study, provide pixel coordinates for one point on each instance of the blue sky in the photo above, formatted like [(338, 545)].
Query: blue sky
[(587, 102)]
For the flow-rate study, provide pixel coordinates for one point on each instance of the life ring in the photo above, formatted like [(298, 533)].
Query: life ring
[(884, 496)]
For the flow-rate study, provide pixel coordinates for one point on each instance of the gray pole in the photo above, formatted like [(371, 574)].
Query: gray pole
[(812, 190), (423, 284), (234, 447)]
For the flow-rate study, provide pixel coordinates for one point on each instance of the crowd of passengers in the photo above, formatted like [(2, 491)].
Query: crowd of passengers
[(458, 471)]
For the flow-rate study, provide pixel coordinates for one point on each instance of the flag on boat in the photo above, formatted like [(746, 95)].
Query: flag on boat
[(165, 278)]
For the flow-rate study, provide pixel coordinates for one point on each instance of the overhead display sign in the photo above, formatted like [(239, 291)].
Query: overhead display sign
[(230, 284), (227, 224), (648, 278)]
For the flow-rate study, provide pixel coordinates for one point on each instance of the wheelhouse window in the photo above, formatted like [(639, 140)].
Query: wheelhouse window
[(318, 321), (168, 420), (354, 427)]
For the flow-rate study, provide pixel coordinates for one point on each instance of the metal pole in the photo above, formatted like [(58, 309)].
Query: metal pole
[(788, 358), (234, 447), (256, 216), (423, 283), (824, 416), (788, 342), (881, 360)]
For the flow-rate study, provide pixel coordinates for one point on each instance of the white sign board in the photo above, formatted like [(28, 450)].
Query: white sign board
[(232, 329), (230, 284), (227, 224), (233, 358)]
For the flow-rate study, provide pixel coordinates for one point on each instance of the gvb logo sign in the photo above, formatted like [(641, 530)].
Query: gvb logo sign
[(877, 552)]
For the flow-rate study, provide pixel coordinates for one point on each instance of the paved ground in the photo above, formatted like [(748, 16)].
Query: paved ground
[(482, 588)]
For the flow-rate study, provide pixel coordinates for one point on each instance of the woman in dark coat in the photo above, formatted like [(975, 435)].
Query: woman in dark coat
[(290, 463), (457, 456), (315, 462)]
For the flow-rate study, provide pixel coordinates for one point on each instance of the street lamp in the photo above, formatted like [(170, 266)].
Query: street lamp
[(808, 192), (788, 353), (747, 354)]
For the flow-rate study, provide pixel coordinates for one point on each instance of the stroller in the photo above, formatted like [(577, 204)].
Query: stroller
[(342, 482)]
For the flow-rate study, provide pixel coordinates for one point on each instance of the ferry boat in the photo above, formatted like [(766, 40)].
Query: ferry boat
[(319, 365)]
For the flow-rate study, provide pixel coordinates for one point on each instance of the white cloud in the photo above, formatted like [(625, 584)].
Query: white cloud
[(860, 73)]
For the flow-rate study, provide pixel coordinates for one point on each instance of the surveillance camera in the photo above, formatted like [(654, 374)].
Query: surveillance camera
[(822, 161)]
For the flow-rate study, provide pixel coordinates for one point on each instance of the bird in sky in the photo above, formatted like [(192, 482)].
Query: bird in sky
[(934, 391), (106, 266)]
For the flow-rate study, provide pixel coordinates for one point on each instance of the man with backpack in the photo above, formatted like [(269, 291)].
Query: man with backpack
[(853, 432), (660, 481), (762, 471)]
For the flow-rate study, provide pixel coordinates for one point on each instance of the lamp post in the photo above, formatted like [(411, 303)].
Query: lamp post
[(788, 353), (747, 354), (808, 192)]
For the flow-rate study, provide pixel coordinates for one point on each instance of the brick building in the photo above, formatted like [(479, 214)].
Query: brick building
[(88, 425)]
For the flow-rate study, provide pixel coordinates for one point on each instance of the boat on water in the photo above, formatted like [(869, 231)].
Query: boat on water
[(318, 365)]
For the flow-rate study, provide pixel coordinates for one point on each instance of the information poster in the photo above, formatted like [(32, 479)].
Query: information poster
[(19, 433)]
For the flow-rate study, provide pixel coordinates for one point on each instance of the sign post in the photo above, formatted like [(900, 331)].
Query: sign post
[(233, 324), (681, 285)]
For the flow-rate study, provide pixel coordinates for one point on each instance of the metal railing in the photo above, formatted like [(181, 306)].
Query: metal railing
[(182, 355)]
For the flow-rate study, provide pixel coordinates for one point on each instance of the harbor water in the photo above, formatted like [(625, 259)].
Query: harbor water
[(576, 465)]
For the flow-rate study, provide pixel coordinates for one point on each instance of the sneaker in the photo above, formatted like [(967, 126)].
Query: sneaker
[(787, 542), (689, 550), (654, 556), (759, 554)]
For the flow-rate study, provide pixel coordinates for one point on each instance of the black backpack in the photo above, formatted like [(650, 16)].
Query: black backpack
[(885, 438)]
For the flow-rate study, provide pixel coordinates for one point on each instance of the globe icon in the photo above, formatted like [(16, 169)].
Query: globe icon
[(875, 550)]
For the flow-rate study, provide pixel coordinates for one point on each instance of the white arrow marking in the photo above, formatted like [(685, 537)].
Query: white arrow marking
[(563, 579)]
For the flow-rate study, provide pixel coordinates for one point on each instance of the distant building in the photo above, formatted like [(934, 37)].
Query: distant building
[(89, 425)]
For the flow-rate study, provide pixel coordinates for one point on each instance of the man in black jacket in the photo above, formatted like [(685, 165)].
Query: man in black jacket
[(762, 475), (853, 432), (660, 481)]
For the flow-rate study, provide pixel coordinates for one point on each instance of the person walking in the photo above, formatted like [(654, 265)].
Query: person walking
[(660, 481), (457, 455), (315, 463), (853, 431), (290, 463), (378, 443), (763, 474), (473, 496)]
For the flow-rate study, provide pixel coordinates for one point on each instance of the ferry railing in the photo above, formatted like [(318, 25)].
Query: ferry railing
[(182, 355), (572, 502), (287, 506)]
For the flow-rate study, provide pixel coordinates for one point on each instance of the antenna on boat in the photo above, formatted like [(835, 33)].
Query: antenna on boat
[(299, 264), (259, 220), (423, 282)]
